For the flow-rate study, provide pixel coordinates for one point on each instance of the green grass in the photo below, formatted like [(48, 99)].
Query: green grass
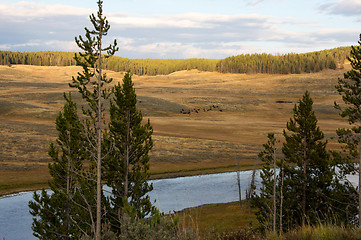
[(213, 219), (226, 221)]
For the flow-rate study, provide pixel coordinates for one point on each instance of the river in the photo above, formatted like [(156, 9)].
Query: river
[(169, 195)]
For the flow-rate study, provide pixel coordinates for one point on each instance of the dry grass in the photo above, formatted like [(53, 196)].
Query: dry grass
[(23, 179), (207, 141), (226, 221), (320, 232)]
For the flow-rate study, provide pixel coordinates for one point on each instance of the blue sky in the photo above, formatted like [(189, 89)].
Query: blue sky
[(185, 28)]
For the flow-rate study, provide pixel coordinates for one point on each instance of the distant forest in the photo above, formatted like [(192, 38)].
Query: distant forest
[(245, 63)]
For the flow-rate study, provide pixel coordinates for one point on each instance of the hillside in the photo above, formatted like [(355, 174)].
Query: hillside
[(203, 121)]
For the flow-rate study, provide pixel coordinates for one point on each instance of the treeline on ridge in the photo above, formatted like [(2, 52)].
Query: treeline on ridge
[(245, 63), (285, 64)]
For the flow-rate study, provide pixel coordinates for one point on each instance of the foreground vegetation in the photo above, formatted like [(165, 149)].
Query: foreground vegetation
[(226, 221)]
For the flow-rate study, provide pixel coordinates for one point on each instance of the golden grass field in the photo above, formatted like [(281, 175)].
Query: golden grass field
[(246, 108)]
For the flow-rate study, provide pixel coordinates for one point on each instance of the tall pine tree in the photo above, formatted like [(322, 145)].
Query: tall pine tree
[(91, 84), (313, 190), (78, 208)]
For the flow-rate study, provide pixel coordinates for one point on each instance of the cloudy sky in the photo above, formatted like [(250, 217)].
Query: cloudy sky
[(184, 28)]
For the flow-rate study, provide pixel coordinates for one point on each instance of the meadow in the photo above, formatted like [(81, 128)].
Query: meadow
[(203, 121)]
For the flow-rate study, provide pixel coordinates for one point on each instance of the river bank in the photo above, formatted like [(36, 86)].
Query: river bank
[(15, 181)]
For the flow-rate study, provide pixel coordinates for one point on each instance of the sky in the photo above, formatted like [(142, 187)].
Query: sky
[(184, 28)]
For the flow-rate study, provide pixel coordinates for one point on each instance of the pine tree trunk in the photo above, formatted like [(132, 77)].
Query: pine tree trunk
[(67, 209), (67, 224), (359, 191), (281, 198), (274, 190), (304, 190), (126, 180), (99, 141), (99, 187)]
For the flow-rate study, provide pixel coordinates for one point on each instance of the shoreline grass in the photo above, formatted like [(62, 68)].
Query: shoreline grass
[(211, 220)]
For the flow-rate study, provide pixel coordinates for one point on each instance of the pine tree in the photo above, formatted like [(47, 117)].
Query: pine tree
[(52, 211), (305, 148), (350, 89), (91, 61), (313, 190), (310, 188), (127, 165), (266, 200)]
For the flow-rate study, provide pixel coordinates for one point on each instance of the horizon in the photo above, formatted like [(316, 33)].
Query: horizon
[(273, 54), (159, 29)]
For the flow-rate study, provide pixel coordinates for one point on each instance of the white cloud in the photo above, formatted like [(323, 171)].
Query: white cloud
[(24, 10), (181, 50), (187, 20), (51, 45), (254, 2), (200, 50), (342, 7), (69, 46), (20, 45)]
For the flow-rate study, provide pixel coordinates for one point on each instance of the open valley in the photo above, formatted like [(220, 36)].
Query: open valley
[(203, 122)]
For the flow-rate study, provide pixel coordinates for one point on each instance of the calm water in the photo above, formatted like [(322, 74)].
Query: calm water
[(170, 195)]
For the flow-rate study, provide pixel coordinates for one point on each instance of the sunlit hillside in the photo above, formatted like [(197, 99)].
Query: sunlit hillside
[(203, 121)]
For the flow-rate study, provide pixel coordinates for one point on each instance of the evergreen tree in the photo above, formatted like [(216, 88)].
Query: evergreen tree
[(91, 62), (313, 190), (310, 187), (350, 89), (305, 148), (54, 214), (127, 165), (266, 200), (78, 200)]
